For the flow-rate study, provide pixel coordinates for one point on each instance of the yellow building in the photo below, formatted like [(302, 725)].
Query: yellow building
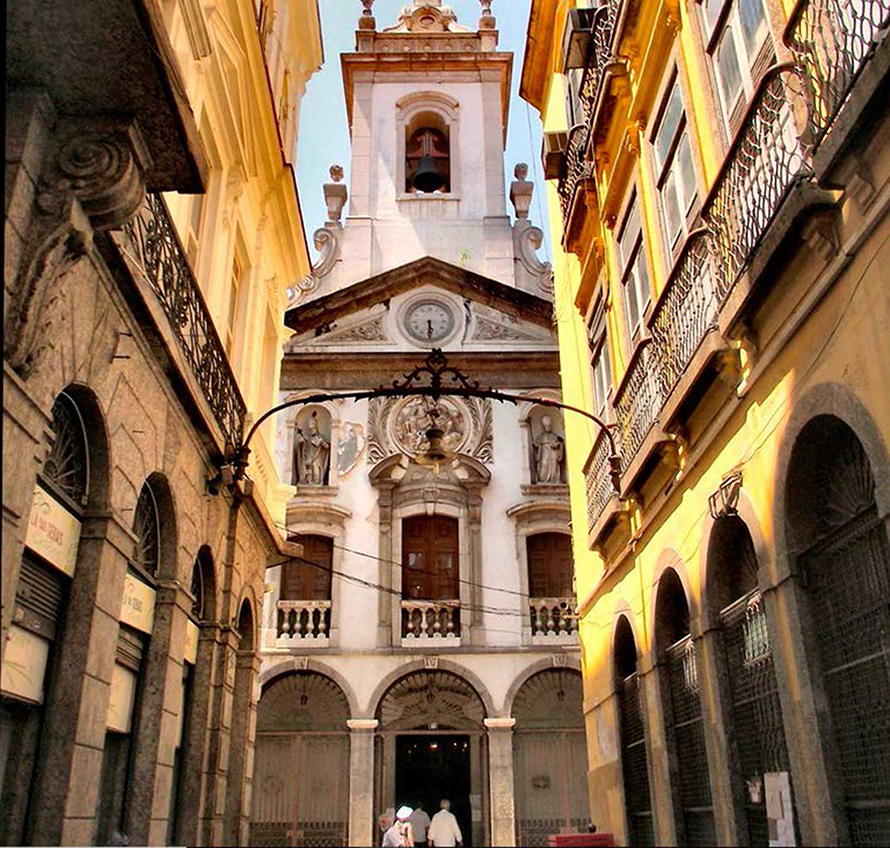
[(719, 184)]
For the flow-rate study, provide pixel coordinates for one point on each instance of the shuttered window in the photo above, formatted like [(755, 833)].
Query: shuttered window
[(550, 565), (430, 558), (309, 579)]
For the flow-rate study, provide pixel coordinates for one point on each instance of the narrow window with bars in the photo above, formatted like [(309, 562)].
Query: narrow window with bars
[(600, 360)]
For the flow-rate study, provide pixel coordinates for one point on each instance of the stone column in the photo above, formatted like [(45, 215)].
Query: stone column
[(361, 781), (67, 774), (500, 775)]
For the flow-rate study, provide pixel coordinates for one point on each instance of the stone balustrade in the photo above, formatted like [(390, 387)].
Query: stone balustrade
[(552, 617), (430, 619), (304, 619)]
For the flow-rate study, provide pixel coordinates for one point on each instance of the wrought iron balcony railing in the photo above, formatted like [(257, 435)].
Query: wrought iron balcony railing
[(597, 480), (832, 40), (792, 112), (577, 167), (166, 267)]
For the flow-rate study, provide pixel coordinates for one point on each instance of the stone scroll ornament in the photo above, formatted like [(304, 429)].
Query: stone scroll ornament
[(527, 238), (399, 426), (92, 181)]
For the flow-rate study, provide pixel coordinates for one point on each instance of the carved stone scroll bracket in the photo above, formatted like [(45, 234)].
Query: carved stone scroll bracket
[(91, 180), (527, 240), (327, 243)]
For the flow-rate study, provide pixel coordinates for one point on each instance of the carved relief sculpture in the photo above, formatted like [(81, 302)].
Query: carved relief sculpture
[(311, 454), (549, 454)]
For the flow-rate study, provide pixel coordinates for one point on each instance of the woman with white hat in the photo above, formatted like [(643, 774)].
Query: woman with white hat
[(400, 834)]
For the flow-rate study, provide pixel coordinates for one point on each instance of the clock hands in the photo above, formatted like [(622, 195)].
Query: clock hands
[(429, 328)]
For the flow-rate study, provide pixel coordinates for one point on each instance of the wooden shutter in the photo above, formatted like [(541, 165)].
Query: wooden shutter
[(430, 558), (550, 565), (302, 581)]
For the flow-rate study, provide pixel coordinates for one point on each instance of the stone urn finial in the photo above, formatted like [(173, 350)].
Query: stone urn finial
[(336, 173), (367, 21), (487, 21)]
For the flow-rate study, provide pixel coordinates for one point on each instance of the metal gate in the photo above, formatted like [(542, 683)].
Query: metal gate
[(689, 744), (848, 576), (634, 763), (756, 710)]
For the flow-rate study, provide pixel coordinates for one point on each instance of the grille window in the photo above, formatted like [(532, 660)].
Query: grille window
[(67, 466), (147, 530)]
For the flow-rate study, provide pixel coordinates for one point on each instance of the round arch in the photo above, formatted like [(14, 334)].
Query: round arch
[(542, 701), (668, 561), (454, 668), (302, 700), (671, 610), (269, 675), (571, 662), (168, 533), (246, 622), (204, 569)]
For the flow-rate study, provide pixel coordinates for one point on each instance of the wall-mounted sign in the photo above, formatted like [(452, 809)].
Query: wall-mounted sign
[(138, 604), (53, 532), (24, 664), (121, 699), (190, 653)]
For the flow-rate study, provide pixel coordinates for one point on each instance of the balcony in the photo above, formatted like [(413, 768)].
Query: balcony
[(768, 180), (430, 623), (303, 623), (553, 621), (151, 244)]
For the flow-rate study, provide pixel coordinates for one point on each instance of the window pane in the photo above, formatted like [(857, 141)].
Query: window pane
[(628, 235), (669, 122), (685, 175), (711, 11), (753, 23), (728, 71), (641, 275), (671, 202), (631, 303)]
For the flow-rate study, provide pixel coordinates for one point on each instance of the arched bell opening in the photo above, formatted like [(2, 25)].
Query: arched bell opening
[(427, 154)]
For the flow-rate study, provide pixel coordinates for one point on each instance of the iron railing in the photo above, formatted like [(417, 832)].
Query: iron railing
[(686, 312), (577, 167), (166, 267), (832, 40), (767, 158), (638, 404), (597, 480)]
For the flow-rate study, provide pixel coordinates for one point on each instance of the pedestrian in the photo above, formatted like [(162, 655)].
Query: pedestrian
[(444, 831), (420, 823), (403, 828), (385, 823)]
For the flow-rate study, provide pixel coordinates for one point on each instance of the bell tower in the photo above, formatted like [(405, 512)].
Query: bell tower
[(427, 103)]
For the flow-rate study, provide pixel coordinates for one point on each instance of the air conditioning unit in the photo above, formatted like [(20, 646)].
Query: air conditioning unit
[(553, 152), (577, 38)]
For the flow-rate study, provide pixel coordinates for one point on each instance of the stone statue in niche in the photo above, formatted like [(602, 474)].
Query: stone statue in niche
[(311, 454), (549, 454)]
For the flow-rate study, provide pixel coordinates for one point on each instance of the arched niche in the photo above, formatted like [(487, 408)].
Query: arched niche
[(313, 445), (301, 701), (406, 489), (544, 443)]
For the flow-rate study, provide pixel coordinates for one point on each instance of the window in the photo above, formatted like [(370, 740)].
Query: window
[(634, 271), (147, 529), (430, 558), (674, 172), (234, 301), (736, 34), (600, 361), (193, 239), (550, 565), (574, 109), (309, 579)]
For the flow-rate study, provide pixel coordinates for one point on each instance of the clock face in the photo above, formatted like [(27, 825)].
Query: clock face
[(429, 321)]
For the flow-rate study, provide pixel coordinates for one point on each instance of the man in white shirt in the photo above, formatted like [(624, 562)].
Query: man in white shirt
[(444, 831), (420, 823)]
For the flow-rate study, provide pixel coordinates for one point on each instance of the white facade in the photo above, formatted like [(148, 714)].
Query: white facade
[(405, 273)]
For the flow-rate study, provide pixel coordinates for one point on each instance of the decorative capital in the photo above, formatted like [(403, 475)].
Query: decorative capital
[(499, 723)]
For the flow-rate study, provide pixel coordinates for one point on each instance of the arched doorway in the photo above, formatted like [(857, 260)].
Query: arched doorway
[(754, 712), (431, 745), (549, 757), (634, 759), (843, 557), (683, 721), (301, 777)]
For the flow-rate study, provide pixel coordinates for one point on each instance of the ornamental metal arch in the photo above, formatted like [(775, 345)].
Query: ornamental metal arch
[(434, 379)]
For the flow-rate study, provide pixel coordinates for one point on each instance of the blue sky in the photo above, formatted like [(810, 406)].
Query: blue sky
[(324, 136)]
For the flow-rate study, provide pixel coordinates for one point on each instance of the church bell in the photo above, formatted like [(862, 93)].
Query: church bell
[(427, 177)]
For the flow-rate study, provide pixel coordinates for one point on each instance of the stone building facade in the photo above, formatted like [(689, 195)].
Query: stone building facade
[(424, 646), (133, 567), (720, 187)]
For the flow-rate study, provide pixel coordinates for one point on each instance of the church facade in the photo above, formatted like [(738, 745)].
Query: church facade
[(424, 646)]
